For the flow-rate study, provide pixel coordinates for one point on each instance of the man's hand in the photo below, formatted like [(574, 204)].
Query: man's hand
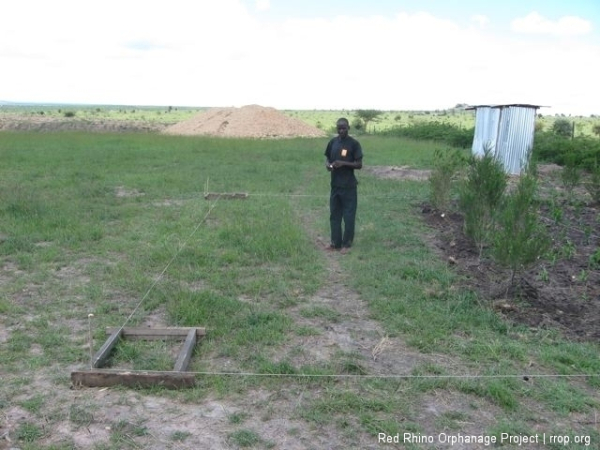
[(355, 165)]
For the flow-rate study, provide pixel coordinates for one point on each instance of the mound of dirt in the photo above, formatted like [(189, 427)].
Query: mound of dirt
[(248, 121)]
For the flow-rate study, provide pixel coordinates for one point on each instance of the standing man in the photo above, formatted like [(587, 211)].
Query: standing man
[(342, 155)]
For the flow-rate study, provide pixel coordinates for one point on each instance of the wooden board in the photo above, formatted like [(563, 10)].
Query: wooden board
[(226, 195), (186, 352), (176, 333), (104, 378), (102, 355)]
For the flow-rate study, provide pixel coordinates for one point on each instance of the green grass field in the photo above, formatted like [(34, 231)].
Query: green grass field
[(116, 225), (324, 119)]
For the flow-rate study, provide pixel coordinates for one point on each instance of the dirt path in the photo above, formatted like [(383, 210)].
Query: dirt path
[(343, 324)]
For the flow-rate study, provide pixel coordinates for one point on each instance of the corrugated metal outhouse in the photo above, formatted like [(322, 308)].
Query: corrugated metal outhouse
[(507, 130)]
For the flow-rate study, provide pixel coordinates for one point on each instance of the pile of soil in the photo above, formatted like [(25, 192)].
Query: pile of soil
[(248, 121)]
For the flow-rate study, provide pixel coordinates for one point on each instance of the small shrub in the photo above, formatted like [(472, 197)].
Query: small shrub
[(480, 196), (69, 114), (593, 184), (245, 438), (595, 259), (570, 176), (562, 127), (520, 240), (446, 165), (358, 125)]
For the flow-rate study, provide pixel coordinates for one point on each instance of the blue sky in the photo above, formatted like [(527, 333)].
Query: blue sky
[(461, 10), (308, 54)]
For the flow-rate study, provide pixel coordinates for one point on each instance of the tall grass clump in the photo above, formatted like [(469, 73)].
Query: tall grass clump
[(480, 196), (570, 176)]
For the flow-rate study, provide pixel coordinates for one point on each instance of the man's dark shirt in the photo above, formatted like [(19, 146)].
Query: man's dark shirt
[(349, 150)]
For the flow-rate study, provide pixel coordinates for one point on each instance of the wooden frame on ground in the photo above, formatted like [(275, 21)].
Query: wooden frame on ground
[(175, 379)]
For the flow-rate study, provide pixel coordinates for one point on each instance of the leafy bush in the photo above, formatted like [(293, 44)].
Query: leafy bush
[(562, 127), (580, 152), (435, 131), (357, 125)]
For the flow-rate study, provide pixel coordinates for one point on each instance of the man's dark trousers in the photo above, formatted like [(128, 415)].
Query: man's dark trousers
[(342, 205)]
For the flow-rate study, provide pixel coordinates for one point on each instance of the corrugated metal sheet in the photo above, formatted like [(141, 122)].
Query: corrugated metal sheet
[(487, 120), (515, 138), (508, 131)]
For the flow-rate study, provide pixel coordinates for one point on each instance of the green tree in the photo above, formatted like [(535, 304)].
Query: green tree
[(368, 115), (562, 127), (596, 129)]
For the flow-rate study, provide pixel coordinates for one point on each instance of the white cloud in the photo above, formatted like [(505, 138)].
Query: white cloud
[(480, 20), (217, 53), (263, 5), (535, 23)]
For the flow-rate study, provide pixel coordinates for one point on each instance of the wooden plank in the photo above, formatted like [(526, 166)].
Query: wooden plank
[(177, 333), (226, 195), (103, 378), (102, 355), (186, 352)]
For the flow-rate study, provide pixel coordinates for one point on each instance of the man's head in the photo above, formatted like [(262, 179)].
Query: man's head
[(342, 127)]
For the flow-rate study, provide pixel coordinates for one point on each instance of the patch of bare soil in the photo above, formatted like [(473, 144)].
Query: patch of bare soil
[(17, 122), (398, 172), (249, 121), (562, 294)]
